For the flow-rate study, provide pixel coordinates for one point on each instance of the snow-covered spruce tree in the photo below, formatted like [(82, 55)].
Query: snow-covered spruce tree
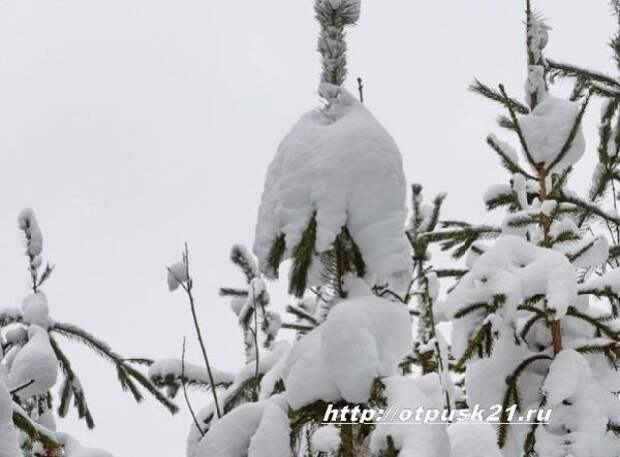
[(334, 205), (430, 349), (31, 360), (603, 192), (535, 317)]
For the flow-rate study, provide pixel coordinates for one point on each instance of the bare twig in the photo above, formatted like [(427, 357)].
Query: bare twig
[(187, 287), (184, 385), (22, 387), (255, 334), (360, 88)]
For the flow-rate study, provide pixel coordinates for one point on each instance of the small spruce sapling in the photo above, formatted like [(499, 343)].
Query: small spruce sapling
[(527, 314)]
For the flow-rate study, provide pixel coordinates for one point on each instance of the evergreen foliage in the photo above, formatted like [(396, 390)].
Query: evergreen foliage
[(33, 402)]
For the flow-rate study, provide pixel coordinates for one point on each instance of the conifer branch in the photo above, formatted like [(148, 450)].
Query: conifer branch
[(571, 136), (302, 259), (71, 388), (568, 70), (486, 91), (515, 121), (36, 432), (124, 371)]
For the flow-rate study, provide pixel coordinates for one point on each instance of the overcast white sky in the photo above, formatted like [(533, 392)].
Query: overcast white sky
[(131, 126)]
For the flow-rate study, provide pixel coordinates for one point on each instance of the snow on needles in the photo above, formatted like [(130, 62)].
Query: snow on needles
[(580, 405), (517, 269), (419, 440), (272, 437), (8, 435), (27, 222), (173, 368), (362, 339), (326, 439), (473, 440), (547, 128), (36, 362), (342, 165), (233, 434), (36, 311)]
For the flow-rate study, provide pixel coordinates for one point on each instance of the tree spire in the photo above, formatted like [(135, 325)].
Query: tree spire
[(334, 16)]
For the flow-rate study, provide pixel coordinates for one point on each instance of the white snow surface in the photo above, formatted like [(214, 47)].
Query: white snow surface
[(596, 255), (547, 128), (420, 439), (27, 222), (581, 410), (517, 269), (74, 449), (272, 438), (485, 383), (341, 164), (567, 373), (326, 439), (173, 367), (9, 446), (473, 440), (270, 365), (610, 280), (35, 310), (35, 361), (231, 435), (496, 191), (362, 338)]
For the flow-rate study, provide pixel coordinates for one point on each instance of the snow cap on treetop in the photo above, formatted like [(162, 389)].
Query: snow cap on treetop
[(340, 166)]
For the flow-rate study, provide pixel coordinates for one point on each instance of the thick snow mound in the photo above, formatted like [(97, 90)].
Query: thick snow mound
[(485, 384), (36, 362), (517, 269), (473, 440), (547, 128), (36, 311), (231, 435), (326, 439), (8, 435), (272, 438), (341, 164), (567, 373), (271, 366), (362, 339), (418, 439), (581, 409)]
